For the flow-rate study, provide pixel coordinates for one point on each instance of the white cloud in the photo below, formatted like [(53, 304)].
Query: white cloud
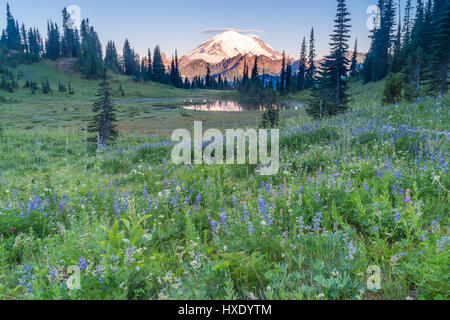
[(218, 30)]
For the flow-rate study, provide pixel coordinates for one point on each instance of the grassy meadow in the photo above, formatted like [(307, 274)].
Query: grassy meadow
[(367, 188), (146, 108)]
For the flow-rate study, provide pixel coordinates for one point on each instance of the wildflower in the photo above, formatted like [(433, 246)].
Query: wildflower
[(198, 199), (82, 264), (397, 216), (27, 278), (213, 225), (130, 255), (352, 250), (317, 223), (380, 175), (301, 225), (320, 296), (251, 229), (224, 222), (252, 297), (441, 244), (100, 272)]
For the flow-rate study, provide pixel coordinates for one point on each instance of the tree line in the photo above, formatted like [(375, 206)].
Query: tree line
[(411, 51)]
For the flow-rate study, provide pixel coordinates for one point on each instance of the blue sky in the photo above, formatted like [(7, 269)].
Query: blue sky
[(180, 24)]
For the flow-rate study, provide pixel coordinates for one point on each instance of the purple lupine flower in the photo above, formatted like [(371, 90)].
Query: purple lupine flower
[(82, 264), (251, 229)]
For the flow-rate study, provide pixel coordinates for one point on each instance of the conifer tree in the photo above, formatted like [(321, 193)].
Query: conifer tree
[(283, 75), (159, 71), (70, 39), (255, 74), (289, 80), (24, 37), (129, 59), (149, 66), (90, 59), (440, 47), (13, 40), (53, 45), (311, 71), (354, 63), (104, 121), (330, 97), (111, 57), (302, 65), (407, 23), (208, 80)]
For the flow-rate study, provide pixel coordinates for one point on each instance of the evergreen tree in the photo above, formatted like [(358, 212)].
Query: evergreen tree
[(90, 60), (376, 66), (407, 23), (25, 47), (104, 121), (111, 57), (52, 44), (129, 59), (397, 58), (149, 66), (175, 77), (330, 97), (245, 84), (159, 71), (208, 80), (13, 40), (440, 47), (282, 86), (302, 65), (70, 40), (255, 74), (289, 80), (311, 71), (354, 63), (34, 44), (187, 85), (384, 38)]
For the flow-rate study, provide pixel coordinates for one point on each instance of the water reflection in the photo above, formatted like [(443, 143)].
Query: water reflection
[(232, 106)]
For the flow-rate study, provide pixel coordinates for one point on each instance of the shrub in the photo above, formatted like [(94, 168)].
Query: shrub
[(393, 90)]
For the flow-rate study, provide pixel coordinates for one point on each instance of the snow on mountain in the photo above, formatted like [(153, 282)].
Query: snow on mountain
[(230, 44)]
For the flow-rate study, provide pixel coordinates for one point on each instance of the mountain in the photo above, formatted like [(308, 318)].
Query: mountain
[(227, 53), (230, 44)]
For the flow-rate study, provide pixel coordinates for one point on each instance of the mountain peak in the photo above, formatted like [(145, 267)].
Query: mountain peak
[(230, 44)]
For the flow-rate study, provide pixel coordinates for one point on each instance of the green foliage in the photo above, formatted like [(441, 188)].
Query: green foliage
[(394, 87)]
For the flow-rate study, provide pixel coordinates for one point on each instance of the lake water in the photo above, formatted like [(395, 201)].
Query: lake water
[(233, 106), (199, 104)]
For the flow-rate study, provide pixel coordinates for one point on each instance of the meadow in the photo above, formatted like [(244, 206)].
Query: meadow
[(367, 190)]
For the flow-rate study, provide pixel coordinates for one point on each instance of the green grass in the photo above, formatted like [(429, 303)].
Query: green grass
[(367, 188), (70, 113)]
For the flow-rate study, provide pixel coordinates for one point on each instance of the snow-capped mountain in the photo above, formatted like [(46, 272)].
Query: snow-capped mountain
[(228, 52), (229, 44)]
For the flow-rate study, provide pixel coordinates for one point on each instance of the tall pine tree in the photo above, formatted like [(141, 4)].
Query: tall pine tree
[(104, 121), (330, 97), (311, 71)]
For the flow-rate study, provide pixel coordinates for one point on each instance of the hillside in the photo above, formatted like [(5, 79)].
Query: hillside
[(22, 109)]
